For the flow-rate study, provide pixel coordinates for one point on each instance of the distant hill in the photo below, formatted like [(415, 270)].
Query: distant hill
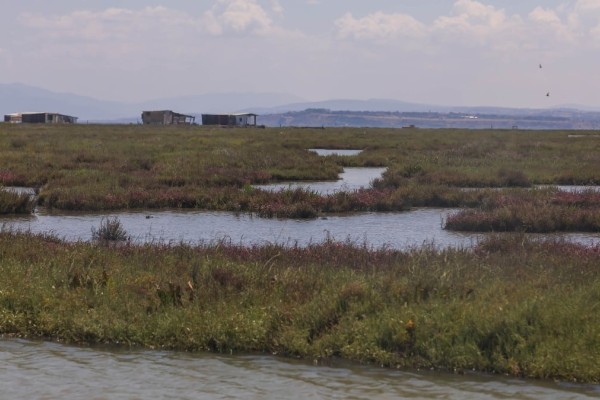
[(281, 109), (18, 97), (534, 119)]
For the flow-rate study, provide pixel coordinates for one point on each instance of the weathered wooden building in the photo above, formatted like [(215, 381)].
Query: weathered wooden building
[(40, 118), (166, 117), (237, 119)]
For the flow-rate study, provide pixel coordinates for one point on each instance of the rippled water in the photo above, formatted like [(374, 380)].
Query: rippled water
[(396, 230), (399, 230), (43, 370), (337, 152), (572, 188)]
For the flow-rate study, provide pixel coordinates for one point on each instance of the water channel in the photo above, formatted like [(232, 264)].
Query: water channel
[(44, 370), (400, 230)]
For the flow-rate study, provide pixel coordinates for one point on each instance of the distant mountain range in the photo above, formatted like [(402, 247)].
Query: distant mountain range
[(18, 97), (277, 109)]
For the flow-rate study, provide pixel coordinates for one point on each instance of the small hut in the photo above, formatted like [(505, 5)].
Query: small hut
[(236, 119), (39, 118), (166, 117)]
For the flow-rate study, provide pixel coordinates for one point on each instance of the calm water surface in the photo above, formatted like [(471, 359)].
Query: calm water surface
[(336, 152), (44, 370), (395, 230), (350, 179)]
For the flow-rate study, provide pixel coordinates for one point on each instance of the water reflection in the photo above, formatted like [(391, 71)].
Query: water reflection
[(395, 230), (19, 190), (401, 230), (51, 370), (336, 152), (350, 179), (570, 188)]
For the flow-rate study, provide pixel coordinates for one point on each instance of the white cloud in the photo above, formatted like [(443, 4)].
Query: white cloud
[(277, 7), (473, 21), (547, 24), (585, 18), (587, 5), (240, 17), (379, 26), (476, 24), (113, 24)]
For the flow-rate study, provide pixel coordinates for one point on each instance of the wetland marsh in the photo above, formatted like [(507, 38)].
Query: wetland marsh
[(507, 304)]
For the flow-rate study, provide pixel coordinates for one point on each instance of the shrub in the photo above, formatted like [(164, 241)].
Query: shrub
[(110, 230)]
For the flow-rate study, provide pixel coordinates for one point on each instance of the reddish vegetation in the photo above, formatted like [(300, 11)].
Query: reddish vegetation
[(537, 211)]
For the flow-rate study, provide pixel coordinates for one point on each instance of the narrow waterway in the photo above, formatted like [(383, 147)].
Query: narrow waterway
[(45, 370), (336, 152), (395, 230), (401, 230)]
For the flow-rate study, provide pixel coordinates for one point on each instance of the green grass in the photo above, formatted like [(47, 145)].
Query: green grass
[(95, 167), (511, 306), (539, 211), (15, 203)]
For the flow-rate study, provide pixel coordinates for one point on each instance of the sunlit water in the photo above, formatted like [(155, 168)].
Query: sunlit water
[(395, 230), (43, 370), (336, 152), (350, 179), (571, 188), (401, 230)]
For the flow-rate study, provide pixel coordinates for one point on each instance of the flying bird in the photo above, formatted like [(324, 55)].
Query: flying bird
[(540, 65), (548, 94)]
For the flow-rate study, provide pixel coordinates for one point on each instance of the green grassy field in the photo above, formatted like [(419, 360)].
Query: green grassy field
[(510, 305)]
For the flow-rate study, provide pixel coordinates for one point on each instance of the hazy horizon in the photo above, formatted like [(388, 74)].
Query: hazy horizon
[(451, 53)]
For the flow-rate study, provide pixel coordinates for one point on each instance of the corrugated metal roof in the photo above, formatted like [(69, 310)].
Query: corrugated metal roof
[(37, 112)]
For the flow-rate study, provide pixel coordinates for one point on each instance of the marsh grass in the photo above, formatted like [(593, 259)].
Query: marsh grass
[(539, 211), (94, 167), (16, 203), (110, 230), (512, 305)]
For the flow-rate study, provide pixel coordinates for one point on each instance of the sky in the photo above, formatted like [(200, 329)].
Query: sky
[(443, 52)]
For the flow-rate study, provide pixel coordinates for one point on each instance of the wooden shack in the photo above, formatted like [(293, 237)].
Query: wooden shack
[(236, 119), (39, 118), (166, 117)]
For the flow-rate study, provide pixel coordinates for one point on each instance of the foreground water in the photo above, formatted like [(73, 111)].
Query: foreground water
[(44, 370)]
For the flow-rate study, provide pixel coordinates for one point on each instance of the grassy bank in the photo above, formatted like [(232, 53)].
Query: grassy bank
[(538, 211), (16, 203), (510, 306)]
